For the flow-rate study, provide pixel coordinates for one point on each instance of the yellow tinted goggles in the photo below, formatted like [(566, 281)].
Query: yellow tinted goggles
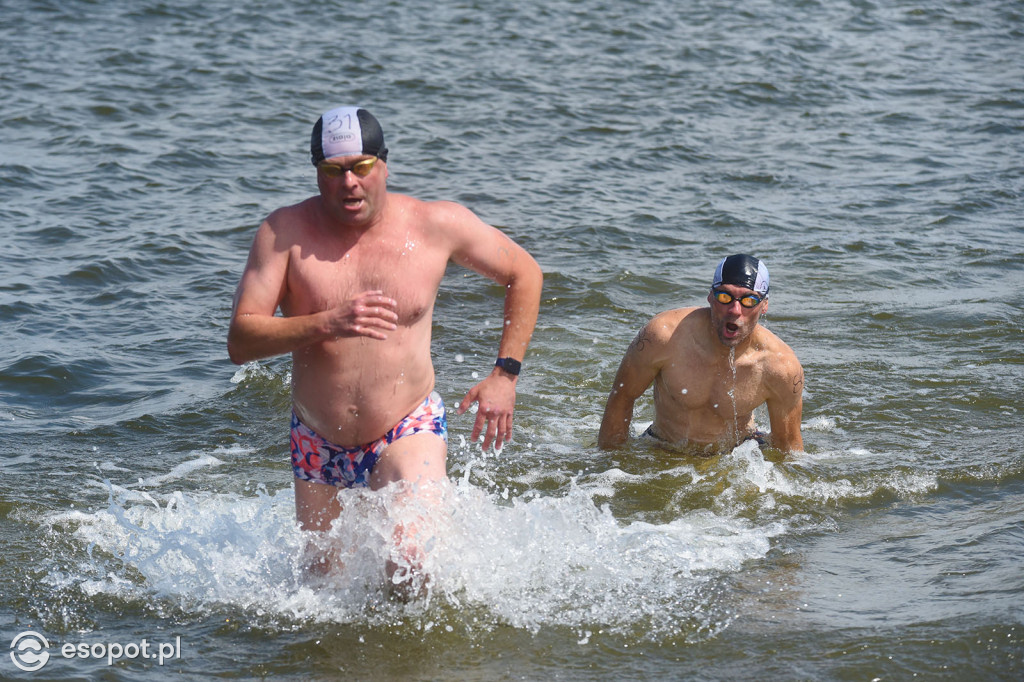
[(360, 168), (746, 300)]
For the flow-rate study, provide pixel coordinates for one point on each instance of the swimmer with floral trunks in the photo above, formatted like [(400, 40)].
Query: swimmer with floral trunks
[(711, 367), (318, 460), (355, 271)]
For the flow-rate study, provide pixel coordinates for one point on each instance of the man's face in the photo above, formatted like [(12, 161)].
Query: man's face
[(353, 187), (733, 323)]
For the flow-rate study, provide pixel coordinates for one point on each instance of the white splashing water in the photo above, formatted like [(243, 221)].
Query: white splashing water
[(528, 564), (528, 561)]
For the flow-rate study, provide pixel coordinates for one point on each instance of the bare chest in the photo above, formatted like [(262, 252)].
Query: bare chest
[(402, 267), (691, 384)]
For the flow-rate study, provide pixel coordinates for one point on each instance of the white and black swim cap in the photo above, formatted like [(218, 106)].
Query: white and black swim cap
[(743, 271), (347, 131)]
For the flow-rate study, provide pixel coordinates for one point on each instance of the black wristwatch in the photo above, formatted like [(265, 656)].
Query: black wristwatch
[(510, 365)]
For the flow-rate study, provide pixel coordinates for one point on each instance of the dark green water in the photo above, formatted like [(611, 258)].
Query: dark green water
[(871, 153)]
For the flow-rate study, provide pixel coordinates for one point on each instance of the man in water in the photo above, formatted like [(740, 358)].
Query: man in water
[(711, 367), (355, 271)]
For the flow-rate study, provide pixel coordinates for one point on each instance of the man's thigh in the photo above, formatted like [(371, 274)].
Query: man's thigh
[(418, 458), (316, 505)]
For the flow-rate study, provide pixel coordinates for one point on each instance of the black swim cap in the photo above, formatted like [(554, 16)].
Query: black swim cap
[(743, 271), (347, 131)]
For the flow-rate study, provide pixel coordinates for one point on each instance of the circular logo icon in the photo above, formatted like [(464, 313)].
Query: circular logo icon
[(30, 651)]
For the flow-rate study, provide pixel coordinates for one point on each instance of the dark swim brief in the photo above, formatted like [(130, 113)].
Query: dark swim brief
[(759, 436), (318, 460)]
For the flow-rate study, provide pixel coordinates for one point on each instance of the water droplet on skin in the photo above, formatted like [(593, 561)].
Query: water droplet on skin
[(685, 391), (732, 394)]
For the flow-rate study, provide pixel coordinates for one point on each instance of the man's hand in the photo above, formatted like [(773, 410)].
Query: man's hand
[(370, 313), (496, 396)]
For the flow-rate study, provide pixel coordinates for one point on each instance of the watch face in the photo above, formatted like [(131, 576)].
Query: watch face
[(510, 365)]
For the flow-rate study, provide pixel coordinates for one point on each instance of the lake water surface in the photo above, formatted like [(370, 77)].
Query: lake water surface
[(871, 153)]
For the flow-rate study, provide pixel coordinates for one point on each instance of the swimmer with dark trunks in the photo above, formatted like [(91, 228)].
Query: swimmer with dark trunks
[(711, 367)]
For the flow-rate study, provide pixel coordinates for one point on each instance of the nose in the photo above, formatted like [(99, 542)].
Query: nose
[(349, 178)]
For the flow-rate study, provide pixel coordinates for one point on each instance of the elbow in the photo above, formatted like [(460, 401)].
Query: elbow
[(236, 350), (610, 441), (235, 355), (528, 275), (614, 430), (788, 445), (537, 276)]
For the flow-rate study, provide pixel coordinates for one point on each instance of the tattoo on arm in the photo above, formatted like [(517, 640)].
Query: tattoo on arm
[(641, 340), (798, 382), (504, 250)]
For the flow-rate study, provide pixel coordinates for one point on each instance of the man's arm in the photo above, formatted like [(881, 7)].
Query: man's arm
[(785, 404), (488, 251), (636, 372), (255, 331)]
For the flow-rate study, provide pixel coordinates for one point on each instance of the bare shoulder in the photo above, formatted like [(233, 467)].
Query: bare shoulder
[(440, 214), (781, 366), (659, 332), (443, 209), (289, 222), (445, 223), (778, 350)]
